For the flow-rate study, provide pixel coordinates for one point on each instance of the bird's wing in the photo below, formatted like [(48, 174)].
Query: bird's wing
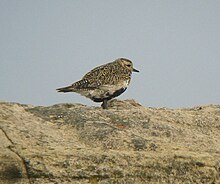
[(102, 75), (91, 80), (97, 76), (85, 84), (96, 72)]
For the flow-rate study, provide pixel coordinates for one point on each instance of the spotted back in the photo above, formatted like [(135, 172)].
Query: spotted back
[(108, 74)]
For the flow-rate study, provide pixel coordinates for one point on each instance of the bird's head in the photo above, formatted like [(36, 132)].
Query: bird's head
[(126, 63)]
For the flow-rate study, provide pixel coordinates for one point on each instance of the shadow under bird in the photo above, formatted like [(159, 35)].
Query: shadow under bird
[(104, 82)]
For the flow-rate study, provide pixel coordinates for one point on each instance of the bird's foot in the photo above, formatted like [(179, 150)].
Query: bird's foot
[(104, 104)]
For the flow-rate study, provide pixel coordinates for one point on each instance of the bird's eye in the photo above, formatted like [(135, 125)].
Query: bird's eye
[(128, 65)]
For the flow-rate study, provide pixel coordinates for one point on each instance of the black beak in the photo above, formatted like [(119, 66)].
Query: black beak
[(134, 70)]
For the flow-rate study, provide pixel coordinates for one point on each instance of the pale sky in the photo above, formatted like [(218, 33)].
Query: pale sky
[(49, 44)]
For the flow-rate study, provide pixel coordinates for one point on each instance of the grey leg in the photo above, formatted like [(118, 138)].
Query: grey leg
[(104, 104)]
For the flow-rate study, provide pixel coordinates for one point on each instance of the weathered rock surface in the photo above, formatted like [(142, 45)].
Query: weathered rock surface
[(128, 143)]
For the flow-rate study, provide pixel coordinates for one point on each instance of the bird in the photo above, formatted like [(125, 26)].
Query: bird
[(104, 82)]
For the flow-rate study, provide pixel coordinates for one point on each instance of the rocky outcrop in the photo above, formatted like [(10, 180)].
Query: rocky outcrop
[(128, 143)]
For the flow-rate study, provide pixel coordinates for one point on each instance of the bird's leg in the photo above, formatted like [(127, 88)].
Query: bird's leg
[(104, 104)]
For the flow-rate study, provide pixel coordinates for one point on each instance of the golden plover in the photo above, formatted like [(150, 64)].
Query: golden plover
[(104, 82)]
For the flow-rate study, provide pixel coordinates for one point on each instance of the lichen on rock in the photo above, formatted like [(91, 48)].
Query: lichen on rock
[(127, 143)]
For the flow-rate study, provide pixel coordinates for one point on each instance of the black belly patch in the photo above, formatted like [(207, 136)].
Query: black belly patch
[(109, 97)]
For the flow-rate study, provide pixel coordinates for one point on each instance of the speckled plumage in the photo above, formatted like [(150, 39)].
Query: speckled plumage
[(104, 82)]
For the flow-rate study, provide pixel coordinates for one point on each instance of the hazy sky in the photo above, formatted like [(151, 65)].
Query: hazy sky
[(49, 44)]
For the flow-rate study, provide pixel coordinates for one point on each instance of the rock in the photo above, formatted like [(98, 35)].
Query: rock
[(127, 143)]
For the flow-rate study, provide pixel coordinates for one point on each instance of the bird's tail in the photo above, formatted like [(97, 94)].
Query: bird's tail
[(65, 89)]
